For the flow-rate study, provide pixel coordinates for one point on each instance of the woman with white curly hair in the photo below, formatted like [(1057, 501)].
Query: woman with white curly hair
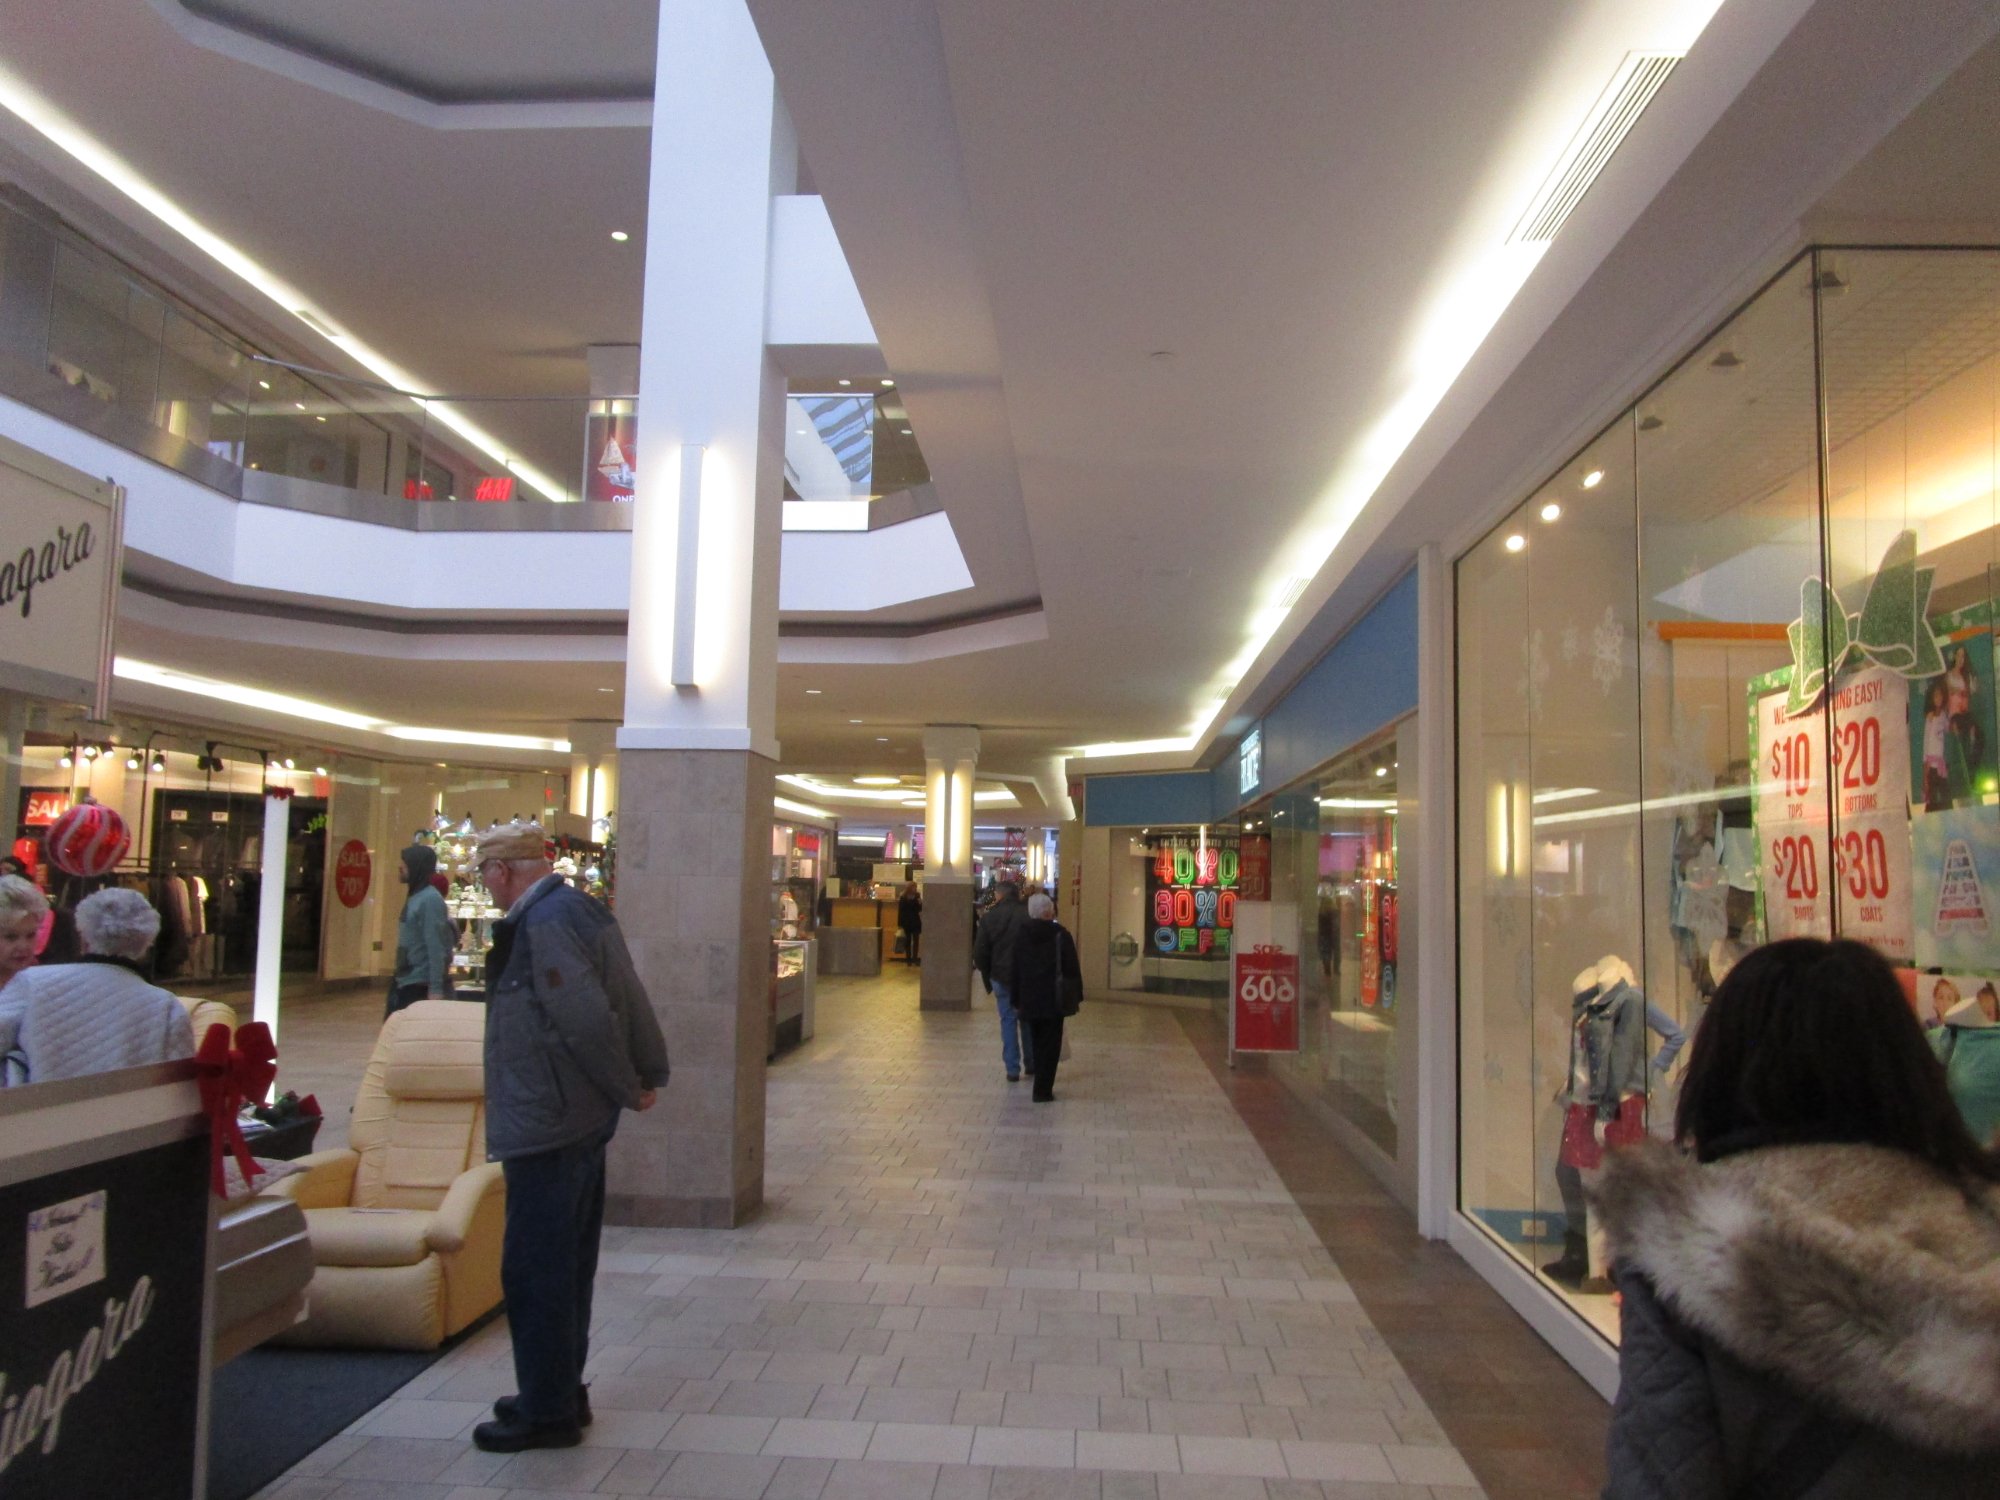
[(98, 1014), (22, 907)]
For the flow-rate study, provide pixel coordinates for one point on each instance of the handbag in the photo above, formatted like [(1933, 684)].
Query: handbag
[(1069, 987)]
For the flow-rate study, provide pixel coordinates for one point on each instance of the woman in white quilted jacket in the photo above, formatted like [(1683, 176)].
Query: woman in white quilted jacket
[(100, 1013)]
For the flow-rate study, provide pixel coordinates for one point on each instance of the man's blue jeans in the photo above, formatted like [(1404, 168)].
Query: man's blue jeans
[(1016, 1051), (548, 1263)]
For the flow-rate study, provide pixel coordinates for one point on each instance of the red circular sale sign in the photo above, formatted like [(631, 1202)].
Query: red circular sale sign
[(352, 869)]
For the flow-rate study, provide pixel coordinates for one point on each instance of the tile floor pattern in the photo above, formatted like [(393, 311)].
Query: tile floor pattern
[(954, 1294)]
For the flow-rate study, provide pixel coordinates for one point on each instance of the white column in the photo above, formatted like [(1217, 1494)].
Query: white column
[(951, 754), (706, 524), (271, 908), (699, 745)]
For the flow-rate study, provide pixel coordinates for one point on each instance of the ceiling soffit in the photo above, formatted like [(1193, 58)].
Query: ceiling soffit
[(524, 64)]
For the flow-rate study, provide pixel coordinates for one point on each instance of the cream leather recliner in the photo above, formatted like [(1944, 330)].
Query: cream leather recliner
[(204, 1013), (406, 1224)]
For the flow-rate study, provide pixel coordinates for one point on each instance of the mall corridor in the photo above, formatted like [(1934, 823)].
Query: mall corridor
[(954, 1293)]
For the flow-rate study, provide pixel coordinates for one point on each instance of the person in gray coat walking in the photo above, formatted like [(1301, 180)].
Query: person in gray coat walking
[(571, 1041), (426, 936), (1812, 1297)]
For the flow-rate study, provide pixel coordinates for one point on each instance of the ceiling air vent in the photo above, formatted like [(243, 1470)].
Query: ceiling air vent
[(1616, 111)]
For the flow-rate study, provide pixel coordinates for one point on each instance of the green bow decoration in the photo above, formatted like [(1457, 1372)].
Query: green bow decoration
[(1890, 631)]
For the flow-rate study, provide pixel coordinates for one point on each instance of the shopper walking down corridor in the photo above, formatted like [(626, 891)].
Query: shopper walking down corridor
[(1812, 1299), (97, 1015), (1047, 982), (570, 1041), (993, 957), (425, 935), (910, 919)]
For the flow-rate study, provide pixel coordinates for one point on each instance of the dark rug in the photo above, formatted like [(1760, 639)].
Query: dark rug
[(272, 1407)]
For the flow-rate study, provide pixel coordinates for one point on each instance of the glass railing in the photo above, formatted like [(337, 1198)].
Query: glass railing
[(168, 381), (174, 383)]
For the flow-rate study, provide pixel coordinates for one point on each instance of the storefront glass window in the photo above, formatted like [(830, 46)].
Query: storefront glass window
[(1728, 676), (1334, 867), (1173, 908)]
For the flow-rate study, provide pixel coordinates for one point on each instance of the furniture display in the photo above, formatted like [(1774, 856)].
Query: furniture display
[(406, 1224)]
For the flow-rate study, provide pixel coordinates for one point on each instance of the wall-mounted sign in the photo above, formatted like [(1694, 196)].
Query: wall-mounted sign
[(1250, 761), (1191, 893), (41, 807), (353, 869), (59, 567), (494, 487)]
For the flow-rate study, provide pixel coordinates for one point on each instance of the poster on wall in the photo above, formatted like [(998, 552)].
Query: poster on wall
[(1951, 999), (1191, 893), (611, 456), (1864, 865), (1956, 860), (1952, 755)]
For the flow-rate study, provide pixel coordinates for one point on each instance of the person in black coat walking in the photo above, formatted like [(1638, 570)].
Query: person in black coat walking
[(910, 917), (1044, 955)]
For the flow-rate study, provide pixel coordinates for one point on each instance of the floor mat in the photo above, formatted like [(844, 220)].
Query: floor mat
[(272, 1407)]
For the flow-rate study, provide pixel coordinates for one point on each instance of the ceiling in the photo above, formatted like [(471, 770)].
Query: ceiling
[(1149, 274)]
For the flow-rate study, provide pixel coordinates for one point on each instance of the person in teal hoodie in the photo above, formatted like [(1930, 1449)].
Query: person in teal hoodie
[(425, 935), (1968, 1044)]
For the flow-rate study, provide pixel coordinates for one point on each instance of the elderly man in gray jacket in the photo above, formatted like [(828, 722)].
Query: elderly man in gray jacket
[(571, 1040)]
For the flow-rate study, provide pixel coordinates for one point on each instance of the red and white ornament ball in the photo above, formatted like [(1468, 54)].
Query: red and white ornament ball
[(89, 839)]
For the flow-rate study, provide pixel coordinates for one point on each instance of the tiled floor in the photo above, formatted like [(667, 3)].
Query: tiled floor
[(953, 1292)]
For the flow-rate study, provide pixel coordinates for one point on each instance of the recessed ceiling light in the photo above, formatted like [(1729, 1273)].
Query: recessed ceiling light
[(881, 739), (800, 431), (300, 405), (319, 419), (319, 770), (847, 382), (620, 235), (1516, 542), (265, 384), (1381, 770), (1551, 511), (906, 432), (854, 721), (607, 690), (813, 692), (887, 381), (1593, 479), (878, 781)]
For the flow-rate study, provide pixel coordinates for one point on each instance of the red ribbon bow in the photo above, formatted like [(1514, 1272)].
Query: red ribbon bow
[(228, 1075)]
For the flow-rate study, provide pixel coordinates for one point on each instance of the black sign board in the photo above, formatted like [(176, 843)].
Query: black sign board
[(101, 1289)]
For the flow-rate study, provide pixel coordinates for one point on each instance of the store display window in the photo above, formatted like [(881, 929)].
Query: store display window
[(1728, 676), (1324, 854), (1174, 892)]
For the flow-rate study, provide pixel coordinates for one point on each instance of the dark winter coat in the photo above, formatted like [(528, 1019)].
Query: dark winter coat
[(571, 1038), (1794, 1307), (910, 913), (993, 944), (1042, 949)]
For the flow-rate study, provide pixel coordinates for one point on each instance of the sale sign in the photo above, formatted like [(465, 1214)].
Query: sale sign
[(352, 870), (1863, 864), (1264, 1000), (1192, 890), (40, 808)]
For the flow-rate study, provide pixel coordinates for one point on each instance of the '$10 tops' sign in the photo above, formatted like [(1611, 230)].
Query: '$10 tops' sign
[(1192, 889)]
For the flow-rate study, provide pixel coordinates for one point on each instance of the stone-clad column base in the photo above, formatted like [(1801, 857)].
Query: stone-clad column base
[(694, 899), (947, 979)]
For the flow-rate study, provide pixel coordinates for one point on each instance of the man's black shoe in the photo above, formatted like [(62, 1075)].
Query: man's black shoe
[(517, 1436), (506, 1406)]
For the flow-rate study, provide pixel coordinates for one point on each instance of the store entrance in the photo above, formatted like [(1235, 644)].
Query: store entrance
[(207, 867)]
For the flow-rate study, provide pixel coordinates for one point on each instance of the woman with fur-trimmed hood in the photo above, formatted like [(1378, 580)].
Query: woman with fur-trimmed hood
[(1812, 1297)]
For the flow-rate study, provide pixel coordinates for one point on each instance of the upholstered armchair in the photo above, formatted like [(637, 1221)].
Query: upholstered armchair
[(406, 1221), (204, 1013)]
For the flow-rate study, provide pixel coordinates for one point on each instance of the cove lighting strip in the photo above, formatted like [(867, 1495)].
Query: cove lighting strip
[(1464, 304), (154, 675), (60, 131), (801, 809), (905, 796)]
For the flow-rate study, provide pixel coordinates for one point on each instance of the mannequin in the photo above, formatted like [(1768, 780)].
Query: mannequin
[(1604, 1100)]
